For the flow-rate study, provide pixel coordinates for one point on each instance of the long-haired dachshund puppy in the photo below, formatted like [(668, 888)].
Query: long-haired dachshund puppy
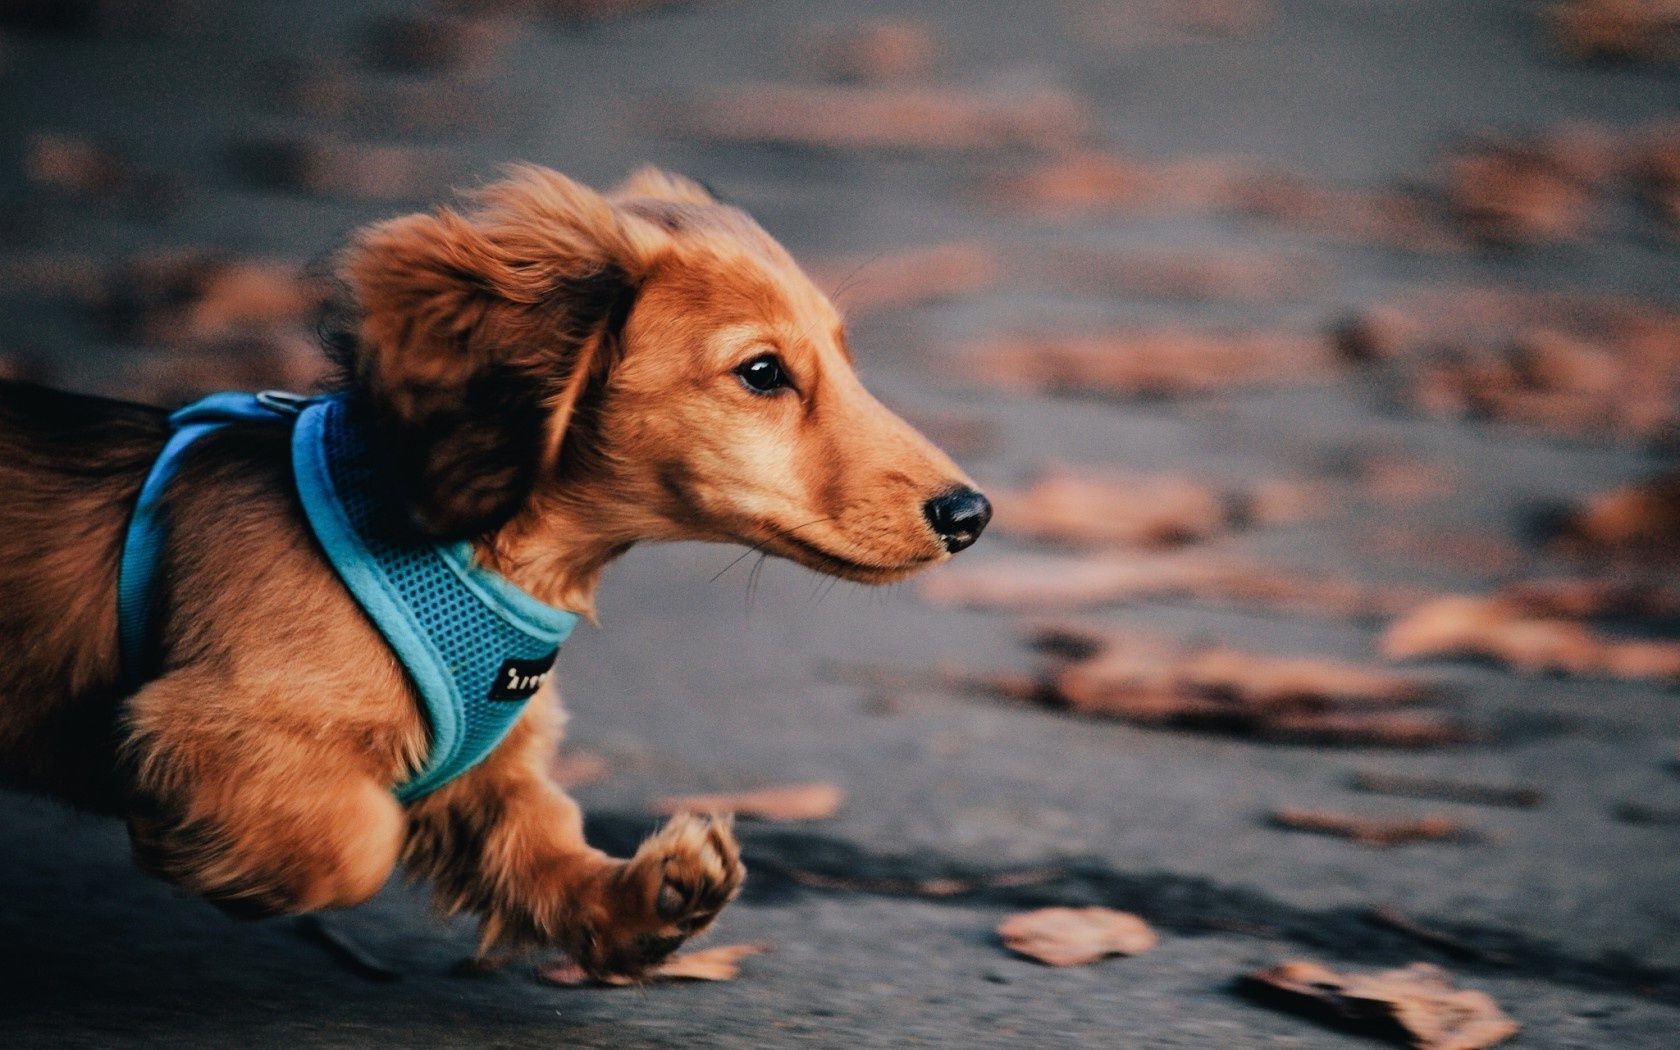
[(541, 378)]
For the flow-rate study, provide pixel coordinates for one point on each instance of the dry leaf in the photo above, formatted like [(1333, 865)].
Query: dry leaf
[(1089, 509), (1569, 364), (1190, 275), (341, 168), (722, 963), (1373, 831), (919, 118), (1160, 362), (1415, 1004), (1512, 193), (1155, 681), (1059, 583), (1531, 641), (1401, 218), (89, 170), (574, 767), (1619, 30), (864, 283), (1080, 182), (431, 44), (1075, 936), (1407, 786), (880, 50), (794, 802), (1642, 518)]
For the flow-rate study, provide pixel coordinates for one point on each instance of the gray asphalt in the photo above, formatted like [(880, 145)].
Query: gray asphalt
[(703, 683)]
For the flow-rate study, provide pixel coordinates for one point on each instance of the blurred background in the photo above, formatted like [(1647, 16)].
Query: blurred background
[(1321, 357)]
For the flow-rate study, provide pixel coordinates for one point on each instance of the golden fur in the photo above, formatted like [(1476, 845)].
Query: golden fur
[(552, 371)]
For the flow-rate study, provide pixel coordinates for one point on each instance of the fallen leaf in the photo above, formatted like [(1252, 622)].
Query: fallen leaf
[(1577, 365), (879, 50), (82, 168), (1617, 30), (865, 283), (1402, 218), (721, 963), (1642, 518), (338, 168), (1414, 1004), (1515, 193), (900, 117), (794, 802), (200, 297), (1188, 275), (1529, 641), (1113, 509), (1153, 363), (1116, 577), (1374, 831), (1155, 681), (1075, 936), (1407, 786), (431, 44), (1085, 181), (574, 767)]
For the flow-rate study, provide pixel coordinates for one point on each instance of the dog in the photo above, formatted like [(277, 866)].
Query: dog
[(552, 374)]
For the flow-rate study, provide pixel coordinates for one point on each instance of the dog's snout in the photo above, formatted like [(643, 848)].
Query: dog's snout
[(958, 516)]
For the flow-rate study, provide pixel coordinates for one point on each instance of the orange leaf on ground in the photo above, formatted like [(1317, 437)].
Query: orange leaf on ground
[(883, 49), (867, 282), (1571, 364), (1641, 518), (1414, 1004), (903, 117), (1075, 936), (1618, 30), (722, 963), (1044, 582), (1526, 639), (1513, 193), (1158, 362), (574, 767), (1374, 831), (793, 802)]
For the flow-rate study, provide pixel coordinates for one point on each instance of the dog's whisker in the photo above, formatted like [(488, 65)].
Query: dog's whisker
[(759, 546)]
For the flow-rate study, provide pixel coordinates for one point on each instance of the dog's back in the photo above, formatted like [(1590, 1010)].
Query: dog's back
[(70, 469)]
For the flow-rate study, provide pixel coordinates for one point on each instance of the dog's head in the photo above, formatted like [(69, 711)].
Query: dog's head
[(648, 360)]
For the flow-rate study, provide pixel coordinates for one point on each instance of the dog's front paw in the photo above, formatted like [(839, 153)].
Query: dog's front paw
[(675, 885)]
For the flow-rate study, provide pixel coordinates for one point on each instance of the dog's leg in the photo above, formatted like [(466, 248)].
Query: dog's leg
[(503, 841), (258, 816)]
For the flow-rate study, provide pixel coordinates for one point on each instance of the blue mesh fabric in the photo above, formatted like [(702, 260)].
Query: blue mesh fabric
[(456, 627), (462, 612)]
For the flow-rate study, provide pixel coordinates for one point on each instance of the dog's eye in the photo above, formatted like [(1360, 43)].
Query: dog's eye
[(764, 375)]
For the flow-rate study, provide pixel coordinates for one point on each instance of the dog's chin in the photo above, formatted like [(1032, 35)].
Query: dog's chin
[(820, 559)]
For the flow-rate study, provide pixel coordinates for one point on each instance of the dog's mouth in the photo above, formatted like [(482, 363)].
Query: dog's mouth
[(821, 559)]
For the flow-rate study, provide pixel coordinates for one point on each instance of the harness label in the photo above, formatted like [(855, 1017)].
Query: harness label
[(520, 679)]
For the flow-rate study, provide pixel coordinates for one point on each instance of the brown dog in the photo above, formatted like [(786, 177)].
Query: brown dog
[(556, 374)]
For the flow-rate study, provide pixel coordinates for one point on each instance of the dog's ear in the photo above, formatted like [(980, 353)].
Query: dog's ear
[(480, 332)]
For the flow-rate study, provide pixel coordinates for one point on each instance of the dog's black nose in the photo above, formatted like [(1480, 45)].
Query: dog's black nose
[(958, 516)]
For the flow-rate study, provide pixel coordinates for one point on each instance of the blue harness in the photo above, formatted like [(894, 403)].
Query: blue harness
[(475, 646)]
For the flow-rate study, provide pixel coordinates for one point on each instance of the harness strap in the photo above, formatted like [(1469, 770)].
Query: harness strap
[(148, 528), (474, 646)]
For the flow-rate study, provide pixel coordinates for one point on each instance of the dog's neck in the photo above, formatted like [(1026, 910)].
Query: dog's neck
[(557, 549)]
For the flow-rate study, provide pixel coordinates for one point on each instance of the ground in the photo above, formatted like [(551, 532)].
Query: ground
[(704, 679)]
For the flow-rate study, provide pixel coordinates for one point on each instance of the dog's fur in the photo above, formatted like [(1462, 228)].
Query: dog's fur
[(551, 371)]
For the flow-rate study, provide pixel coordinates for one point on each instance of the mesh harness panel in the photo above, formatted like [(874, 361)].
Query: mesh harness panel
[(474, 646)]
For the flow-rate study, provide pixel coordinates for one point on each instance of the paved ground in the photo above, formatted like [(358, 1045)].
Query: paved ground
[(700, 683)]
